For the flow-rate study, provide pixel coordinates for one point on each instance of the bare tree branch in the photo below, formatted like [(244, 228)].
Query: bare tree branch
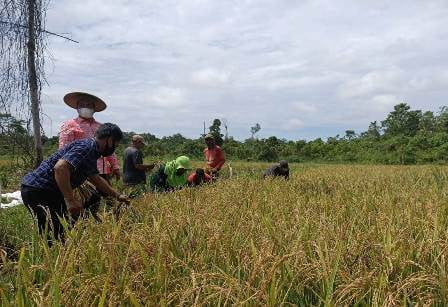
[(40, 30)]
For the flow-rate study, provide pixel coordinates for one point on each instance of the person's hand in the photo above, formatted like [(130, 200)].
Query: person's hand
[(74, 206), (116, 174), (123, 199), (150, 166)]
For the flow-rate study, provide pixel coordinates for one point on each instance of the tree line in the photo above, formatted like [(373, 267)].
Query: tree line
[(405, 136)]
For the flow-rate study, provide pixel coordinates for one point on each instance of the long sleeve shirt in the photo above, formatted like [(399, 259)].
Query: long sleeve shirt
[(214, 157), (81, 128)]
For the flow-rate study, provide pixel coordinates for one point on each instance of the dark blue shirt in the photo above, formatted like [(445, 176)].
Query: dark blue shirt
[(81, 155)]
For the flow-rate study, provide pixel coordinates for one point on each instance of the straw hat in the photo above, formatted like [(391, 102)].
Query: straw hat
[(72, 99)]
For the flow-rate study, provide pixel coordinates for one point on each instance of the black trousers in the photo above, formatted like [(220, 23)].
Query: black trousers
[(48, 207)]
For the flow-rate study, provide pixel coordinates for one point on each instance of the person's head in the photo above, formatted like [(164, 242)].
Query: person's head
[(182, 165), (86, 108), (200, 176), (284, 167), (209, 140), (138, 141), (85, 104), (108, 136)]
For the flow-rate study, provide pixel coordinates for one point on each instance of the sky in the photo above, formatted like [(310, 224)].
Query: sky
[(301, 69)]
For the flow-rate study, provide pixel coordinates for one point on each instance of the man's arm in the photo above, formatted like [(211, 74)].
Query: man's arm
[(101, 184), (62, 172), (137, 159), (144, 167)]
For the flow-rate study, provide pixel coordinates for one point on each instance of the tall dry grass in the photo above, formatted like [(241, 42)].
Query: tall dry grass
[(331, 236)]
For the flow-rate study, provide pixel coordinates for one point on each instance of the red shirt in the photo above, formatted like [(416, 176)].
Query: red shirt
[(192, 178), (214, 157)]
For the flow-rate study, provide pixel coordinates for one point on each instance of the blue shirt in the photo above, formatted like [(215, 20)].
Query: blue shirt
[(81, 155)]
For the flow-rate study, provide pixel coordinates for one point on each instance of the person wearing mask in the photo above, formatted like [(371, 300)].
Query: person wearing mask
[(48, 191), (214, 157), (171, 176), (85, 126)]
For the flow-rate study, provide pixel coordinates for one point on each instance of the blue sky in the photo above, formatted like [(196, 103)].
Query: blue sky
[(302, 69)]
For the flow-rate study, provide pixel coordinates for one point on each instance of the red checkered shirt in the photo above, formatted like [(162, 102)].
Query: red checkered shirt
[(81, 128)]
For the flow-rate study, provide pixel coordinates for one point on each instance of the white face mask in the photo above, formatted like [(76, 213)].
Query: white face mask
[(85, 112)]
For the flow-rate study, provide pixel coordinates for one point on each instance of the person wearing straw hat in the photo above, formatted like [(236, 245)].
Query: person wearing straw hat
[(82, 127), (85, 126), (172, 175)]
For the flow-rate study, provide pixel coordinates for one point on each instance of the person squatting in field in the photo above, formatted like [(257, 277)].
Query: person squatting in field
[(280, 169), (134, 171), (171, 176), (214, 156), (85, 126), (198, 178), (48, 191)]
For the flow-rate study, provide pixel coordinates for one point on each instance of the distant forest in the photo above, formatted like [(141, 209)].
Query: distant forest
[(405, 136)]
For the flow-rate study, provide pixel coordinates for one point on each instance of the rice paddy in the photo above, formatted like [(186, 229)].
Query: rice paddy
[(333, 235)]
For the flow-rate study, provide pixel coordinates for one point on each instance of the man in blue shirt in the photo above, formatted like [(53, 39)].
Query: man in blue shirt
[(48, 190)]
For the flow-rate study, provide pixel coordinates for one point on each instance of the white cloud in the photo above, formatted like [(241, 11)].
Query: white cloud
[(386, 102), (166, 97), (386, 81), (210, 77), (319, 67), (303, 107), (293, 124)]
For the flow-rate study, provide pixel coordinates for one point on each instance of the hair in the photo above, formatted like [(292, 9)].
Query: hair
[(109, 130), (200, 172)]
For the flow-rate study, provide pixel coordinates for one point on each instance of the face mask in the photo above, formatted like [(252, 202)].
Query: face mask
[(85, 112), (108, 150)]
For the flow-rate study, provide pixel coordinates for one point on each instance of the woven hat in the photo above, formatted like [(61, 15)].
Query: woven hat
[(72, 100)]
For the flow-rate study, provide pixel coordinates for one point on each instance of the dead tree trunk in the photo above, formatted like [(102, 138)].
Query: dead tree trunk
[(32, 81)]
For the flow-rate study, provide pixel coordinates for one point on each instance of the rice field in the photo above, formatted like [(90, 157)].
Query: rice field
[(333, 235)]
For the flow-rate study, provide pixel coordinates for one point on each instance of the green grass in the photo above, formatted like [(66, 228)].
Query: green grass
[(332, 236)]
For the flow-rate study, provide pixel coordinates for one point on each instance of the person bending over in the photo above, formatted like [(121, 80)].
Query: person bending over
[(171, 176), (280, 169), (199, 177), (47, 191)]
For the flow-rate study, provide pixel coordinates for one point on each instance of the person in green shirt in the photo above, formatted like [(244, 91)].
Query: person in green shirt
[(171, 175)]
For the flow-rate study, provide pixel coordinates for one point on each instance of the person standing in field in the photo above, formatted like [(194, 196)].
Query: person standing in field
[(48, 191), (82, 127), (198, 178), (85, 126), (277, 170), (171, 176), (134, 171), (214, 156)]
